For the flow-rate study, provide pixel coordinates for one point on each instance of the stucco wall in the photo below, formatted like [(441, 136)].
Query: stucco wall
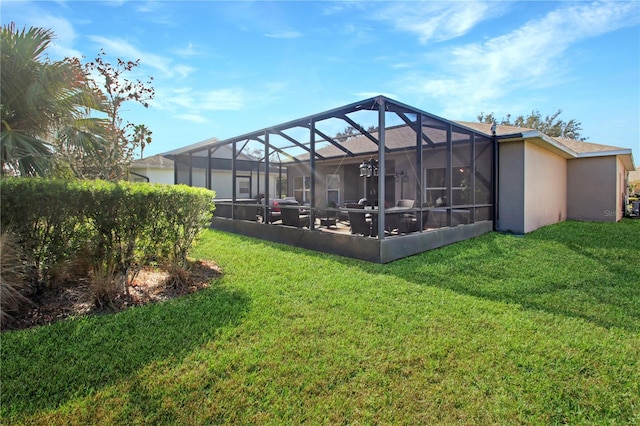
[(621, 188), (545, 187), (155, 175), (511, 187), (591, 187)]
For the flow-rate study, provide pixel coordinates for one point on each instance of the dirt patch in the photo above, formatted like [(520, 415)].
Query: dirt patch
[(150, 285)]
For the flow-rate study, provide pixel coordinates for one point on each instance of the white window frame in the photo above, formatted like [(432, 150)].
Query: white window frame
[(428, 188), (335, 188), (302, 192), (243, 182)]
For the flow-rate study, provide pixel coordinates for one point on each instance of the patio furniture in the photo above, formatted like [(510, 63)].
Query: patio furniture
[(330, 216), (291, 215), (408, 204), (358, 221), (412, 223), (404, 221)]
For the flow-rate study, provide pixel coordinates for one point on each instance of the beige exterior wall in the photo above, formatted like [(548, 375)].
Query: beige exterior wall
[(155, 175), (545, 177), (511, 187), (594, 188), (532, 187), (621, 189)]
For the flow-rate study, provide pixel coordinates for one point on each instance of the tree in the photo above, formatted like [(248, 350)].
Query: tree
[(142, 137), (122, 137), (550, 125), (57, 119), (350, 132), (38, 98)]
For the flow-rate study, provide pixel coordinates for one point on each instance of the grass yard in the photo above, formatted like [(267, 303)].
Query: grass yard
[(541, 329)]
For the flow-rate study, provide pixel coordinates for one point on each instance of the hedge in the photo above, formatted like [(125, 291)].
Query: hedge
[(117, 225)]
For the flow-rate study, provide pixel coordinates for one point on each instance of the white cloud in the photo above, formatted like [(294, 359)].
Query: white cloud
[(284, 34), (194, 118), (190, 102), (64, 34), (188, 51), (529, 57), (367, 95), (223, 100), (126, 51), (436, 21)]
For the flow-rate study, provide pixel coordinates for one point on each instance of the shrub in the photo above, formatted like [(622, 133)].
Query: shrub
[(47, 219), (12, 279), (108, 229)]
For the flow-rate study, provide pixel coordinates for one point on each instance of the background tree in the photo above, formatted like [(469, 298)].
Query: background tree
[(350, 132), (39, 97), (122, 139), (550, 125), (142, 137)]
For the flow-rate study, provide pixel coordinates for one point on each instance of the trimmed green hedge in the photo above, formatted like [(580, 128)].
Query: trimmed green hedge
[(118, 225)]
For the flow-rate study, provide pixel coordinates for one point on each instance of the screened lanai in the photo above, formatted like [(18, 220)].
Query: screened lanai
[(376, 180)]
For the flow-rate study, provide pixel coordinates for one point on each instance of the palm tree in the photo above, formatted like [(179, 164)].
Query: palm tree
[(40, 101), (142, 136)]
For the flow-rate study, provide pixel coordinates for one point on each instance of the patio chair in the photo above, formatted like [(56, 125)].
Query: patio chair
[(400, 220), (412, 223), (291, 217), (330, 217), (359, 223), (409, 204)]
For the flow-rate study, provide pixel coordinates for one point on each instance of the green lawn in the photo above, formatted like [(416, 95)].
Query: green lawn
[(540, 329)]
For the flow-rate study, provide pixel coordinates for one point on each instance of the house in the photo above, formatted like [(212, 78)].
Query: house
[(193, 169), (156, 169), (162, 168), (451, 180)]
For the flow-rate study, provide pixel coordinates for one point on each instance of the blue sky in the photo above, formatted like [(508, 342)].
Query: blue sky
[(226, 68)]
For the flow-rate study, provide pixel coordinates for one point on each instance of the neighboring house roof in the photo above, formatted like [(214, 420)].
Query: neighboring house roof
[(154, 162), (204, 144), (218, 151)]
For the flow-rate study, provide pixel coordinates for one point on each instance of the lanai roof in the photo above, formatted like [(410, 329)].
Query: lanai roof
[(399, 136)]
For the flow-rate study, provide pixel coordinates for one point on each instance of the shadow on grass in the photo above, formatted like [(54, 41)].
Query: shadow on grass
[(43, 368)]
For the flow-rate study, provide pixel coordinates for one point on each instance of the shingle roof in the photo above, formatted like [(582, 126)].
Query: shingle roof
[(501, 130), (396, 138), (155, 161), (578, 147), (583, 147)]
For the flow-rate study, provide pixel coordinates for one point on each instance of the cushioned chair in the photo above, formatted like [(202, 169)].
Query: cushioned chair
[(291, 216), (409, 204), (412, 223), (403, 222), (359, 224), (358, 220)]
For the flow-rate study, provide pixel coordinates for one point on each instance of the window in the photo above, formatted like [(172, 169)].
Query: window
[(461, 186), (280, 187), (435, 193), (302, 188), (333, 189), (243, 186), (436, 187)]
